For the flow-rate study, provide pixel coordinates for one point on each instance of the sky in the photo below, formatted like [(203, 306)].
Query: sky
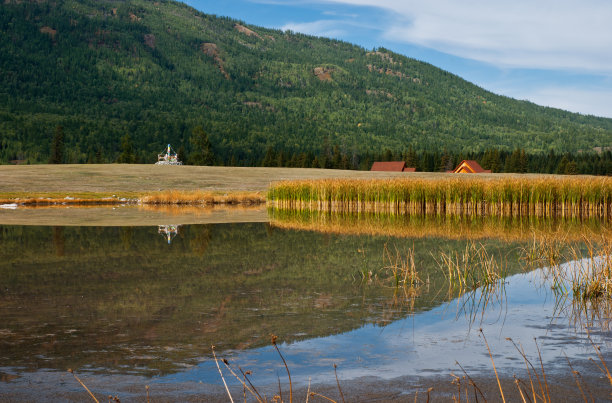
[(552, 52)]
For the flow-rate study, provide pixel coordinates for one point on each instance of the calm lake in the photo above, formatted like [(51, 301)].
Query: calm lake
[(142, 305)]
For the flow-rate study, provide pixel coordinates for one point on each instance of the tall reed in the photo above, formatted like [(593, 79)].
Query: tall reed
[(542, 196)]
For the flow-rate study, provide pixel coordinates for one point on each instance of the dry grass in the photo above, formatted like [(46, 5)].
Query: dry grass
[(198, 197), (126, 180)]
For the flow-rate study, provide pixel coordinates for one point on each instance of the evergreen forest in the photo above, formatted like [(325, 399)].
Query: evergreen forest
[(99, 81)]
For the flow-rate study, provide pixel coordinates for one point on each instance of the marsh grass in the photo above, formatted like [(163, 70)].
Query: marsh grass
[(588, 274), (472, 268), (402, 267), (198, 197), (540, 196)]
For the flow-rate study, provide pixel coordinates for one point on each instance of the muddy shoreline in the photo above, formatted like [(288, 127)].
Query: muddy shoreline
[(561, 385)]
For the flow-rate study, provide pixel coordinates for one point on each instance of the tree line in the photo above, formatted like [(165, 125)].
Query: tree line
[(201, 152)]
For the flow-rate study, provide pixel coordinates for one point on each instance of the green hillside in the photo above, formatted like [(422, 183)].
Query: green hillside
[(154, 70)]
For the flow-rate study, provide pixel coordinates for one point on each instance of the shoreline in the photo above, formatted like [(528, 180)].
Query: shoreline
[(51, 386)]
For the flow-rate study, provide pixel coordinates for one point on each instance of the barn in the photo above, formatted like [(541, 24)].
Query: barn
[(391, 166), (470, 167)]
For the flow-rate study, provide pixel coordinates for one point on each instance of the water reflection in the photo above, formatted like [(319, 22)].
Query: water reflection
[(168, 231), (432, 342), (516, 228), (126, 300), (112, 298)]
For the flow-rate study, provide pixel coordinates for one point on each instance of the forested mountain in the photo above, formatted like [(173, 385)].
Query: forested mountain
[(93, 73)]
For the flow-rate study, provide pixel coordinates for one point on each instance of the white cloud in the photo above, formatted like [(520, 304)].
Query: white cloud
[(327, 28), (545, 34), (585, 101)]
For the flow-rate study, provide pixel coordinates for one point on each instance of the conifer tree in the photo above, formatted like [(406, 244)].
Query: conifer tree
[(57, 146), (127, 155), (202, 150)]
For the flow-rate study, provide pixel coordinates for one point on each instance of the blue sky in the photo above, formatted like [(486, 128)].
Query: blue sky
[(552, 52)]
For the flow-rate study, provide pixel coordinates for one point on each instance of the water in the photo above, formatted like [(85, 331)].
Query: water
[(145, 304)]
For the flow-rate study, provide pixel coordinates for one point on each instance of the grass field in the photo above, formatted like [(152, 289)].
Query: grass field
[(132, 180), (124, 180)]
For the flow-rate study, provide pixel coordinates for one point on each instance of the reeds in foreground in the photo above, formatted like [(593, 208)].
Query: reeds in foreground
[(536, 390)]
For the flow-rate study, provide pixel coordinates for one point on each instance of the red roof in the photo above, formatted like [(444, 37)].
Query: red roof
[(470, 166), (391, 166), (395, 166)]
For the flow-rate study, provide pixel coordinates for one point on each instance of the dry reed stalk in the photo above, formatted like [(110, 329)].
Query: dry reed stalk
[(543, 372), (576, 375), (244, 385), (83, 385), (527, 364), (273, 339), (517, 383), (221, 373), (494, 369), (598, 352), (476, 388), (244, 374), (323, 397), (338, 383)]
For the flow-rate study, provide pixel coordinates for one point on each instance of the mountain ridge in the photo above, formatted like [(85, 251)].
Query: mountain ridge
[(154, 70)]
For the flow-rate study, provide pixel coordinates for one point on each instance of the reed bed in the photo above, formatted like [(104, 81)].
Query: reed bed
[(198, 197), (541, 196)]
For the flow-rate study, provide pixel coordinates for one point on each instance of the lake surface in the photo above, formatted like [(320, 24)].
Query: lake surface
[(144, 305)]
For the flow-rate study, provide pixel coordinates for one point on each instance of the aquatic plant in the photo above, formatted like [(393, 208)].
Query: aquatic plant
[(586, 277), (474, 267), (402, 267), (530, 195)]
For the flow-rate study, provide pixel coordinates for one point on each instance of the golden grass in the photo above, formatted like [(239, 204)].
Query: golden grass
[(66, 200), (541, 196), (168, 197), (176, 197)]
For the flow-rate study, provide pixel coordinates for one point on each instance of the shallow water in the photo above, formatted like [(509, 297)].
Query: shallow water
[(148, 302)]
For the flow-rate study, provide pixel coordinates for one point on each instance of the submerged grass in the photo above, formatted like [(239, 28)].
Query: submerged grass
[(545, 196)]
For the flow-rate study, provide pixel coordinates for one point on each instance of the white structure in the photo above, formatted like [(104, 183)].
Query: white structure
[(169, 158)]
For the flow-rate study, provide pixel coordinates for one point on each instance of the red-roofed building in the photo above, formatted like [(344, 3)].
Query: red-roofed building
[(470, 167), (391, 166)]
